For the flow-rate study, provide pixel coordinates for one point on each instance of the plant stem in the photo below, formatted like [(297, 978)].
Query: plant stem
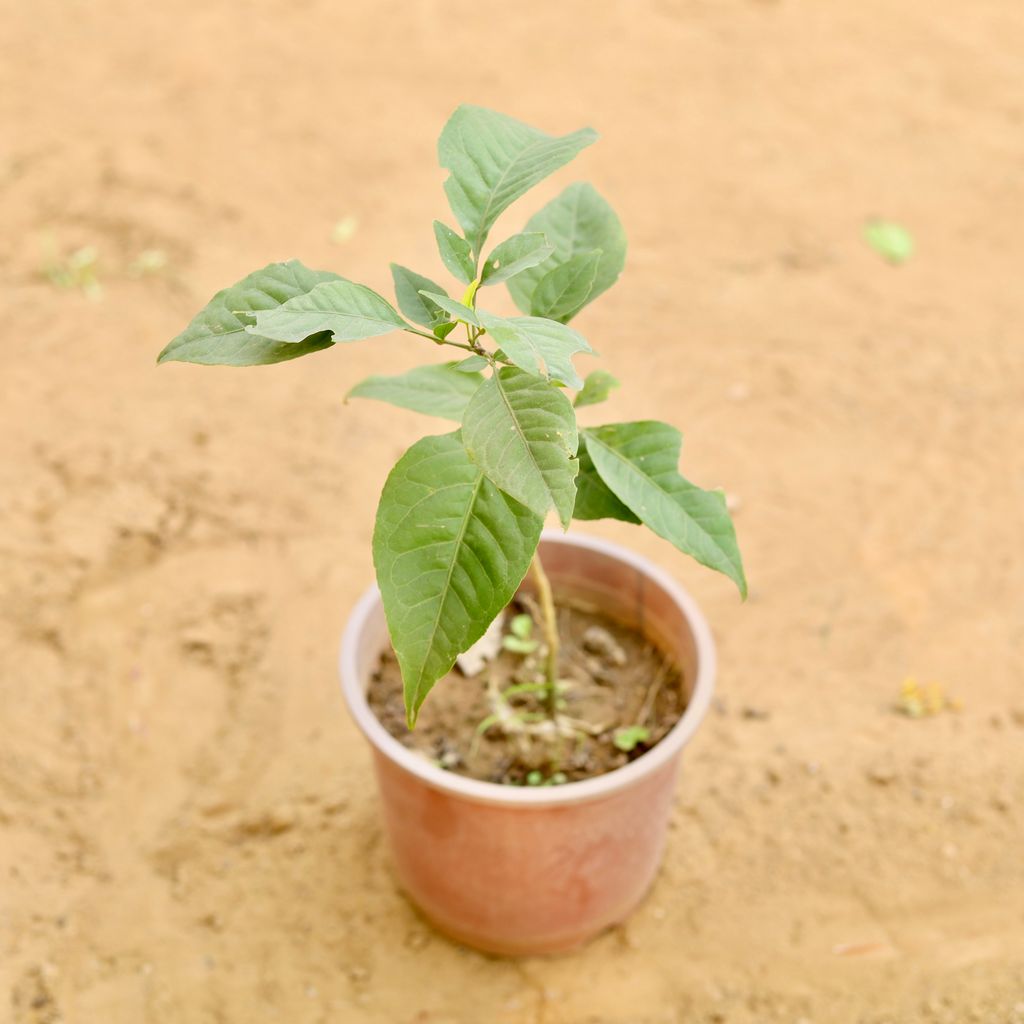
[(444, 341), (550, 626)]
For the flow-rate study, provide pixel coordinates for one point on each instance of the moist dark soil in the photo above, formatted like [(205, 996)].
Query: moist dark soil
[(612, 678)]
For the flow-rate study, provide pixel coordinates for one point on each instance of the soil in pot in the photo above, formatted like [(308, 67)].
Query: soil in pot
[(618, 696)]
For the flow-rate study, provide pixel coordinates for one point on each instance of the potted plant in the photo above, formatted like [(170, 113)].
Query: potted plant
[(531, 811)]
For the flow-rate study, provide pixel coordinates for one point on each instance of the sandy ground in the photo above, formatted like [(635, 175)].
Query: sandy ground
[(188, 830)]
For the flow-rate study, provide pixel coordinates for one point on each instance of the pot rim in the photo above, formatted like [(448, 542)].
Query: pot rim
[(479, 791)]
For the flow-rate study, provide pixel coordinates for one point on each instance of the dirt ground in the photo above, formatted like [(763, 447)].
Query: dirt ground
[(188, 830)]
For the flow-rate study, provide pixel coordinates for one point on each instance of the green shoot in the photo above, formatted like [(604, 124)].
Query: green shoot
[(629, 737)]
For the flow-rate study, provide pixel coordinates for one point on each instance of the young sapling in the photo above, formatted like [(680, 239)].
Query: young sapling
[(460, 516)]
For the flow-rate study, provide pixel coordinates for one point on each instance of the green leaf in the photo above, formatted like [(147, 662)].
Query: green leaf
[(517, 646), (450, 550), (561, 294), (521, 626), (513, 256), (639, 463), (596, 388), (521, 432), (349, 311), (493, 160), (439, 390), (537, 345), (593, 498), (455, 253), (577, 221), (457, 309), (471, 364), (217, 334), (630, 736), (420, 310), (891, 241)]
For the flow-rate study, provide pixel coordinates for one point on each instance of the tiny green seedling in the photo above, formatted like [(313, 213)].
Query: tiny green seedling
[(538, 778), (460, 516), (520, 639), (78, 270), (630, 737), (149, 263)]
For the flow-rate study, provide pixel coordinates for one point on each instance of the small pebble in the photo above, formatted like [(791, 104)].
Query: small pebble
[(597, 670)]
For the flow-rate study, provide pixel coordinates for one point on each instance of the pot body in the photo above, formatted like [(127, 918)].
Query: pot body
[(518, 870)]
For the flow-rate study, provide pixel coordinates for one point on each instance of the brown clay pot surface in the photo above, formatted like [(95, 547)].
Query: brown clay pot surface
[(524, 870)]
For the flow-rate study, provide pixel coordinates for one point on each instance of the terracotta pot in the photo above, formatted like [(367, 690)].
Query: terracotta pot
[(537, 870)]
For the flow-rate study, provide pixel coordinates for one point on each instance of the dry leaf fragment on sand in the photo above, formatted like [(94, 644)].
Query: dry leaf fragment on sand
[(920, 701)]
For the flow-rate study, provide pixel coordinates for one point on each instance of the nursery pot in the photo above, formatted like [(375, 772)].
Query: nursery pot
[(518, 870)]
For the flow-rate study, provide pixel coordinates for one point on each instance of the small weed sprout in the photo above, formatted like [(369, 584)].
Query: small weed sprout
[(537, 778), (519, 639), (76, 271), (629, 737), (149, 263)]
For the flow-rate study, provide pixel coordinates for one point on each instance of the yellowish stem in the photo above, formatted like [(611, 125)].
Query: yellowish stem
[(550, 627)]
